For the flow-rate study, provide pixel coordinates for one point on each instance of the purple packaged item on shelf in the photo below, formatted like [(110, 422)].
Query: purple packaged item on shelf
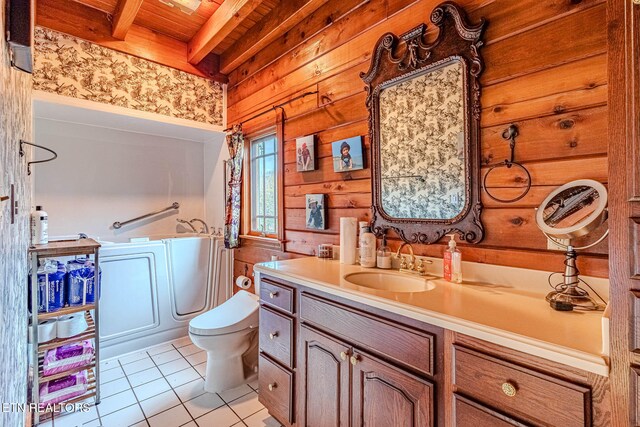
[(67, 357), (62, 389)]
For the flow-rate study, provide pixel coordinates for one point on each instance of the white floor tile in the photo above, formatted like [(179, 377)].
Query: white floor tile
[(108, 364), (140, 424), (221, 417), (114, 387), (124, 417), (159, 349), (159, 403), (117, 401), (261, 419), (139, 365), (246, 405), (111, 374), (145, 376), (202, 404), (234, 393), (165, 357), (190, 424), (254, 384), (94, 423), (189, 350), (190, 390), (75, 419), (174, 417), (133, 357), (151, 389), (174, 366), (197, 358), (202, 369), (181, 342), (182, 377)]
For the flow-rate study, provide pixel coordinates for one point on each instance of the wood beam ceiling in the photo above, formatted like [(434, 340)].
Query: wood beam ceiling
[(274, 25), (123, 19), (223, 21)]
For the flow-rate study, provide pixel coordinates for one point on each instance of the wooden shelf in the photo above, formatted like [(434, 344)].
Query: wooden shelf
[(66, 248), (89, 333), (66, 310)]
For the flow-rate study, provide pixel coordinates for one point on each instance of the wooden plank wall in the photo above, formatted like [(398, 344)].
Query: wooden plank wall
[(545, 71)]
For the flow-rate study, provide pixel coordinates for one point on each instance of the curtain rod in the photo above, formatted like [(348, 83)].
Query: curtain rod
[(274, 107)]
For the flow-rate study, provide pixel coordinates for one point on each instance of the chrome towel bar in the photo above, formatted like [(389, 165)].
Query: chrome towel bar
[(119, 224)]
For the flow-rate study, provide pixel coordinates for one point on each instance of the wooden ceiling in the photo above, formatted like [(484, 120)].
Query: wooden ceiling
[(211, 42)]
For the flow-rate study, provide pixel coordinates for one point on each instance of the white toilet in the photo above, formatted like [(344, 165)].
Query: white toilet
[(229, 335)]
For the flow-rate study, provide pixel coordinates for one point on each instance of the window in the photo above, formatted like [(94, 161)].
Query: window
[(264, 188)]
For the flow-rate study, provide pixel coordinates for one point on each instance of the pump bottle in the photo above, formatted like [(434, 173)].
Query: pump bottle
[(452, 262)]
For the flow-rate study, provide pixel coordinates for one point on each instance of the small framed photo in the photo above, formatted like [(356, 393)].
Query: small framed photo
[(316, 214), (347, 154), (305, 153)]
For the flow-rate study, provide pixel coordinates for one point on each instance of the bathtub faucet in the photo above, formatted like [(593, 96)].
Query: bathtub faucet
[(182, 221), (205, 227)]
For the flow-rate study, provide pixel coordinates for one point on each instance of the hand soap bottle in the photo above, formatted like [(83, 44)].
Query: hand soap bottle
[(453, 262), (384, 255), (367, 248)]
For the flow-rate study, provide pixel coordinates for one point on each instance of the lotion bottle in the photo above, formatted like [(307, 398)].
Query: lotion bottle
[(367, 248), (39, 227), (452, 262)]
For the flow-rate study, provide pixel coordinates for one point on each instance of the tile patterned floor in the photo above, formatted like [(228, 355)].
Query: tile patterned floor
[(163, 387)]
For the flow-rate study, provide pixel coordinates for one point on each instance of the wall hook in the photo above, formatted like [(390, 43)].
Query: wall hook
[(22, 142)]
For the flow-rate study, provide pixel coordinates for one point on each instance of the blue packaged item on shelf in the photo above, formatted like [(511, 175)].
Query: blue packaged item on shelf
[(81, 284), (51, 286)]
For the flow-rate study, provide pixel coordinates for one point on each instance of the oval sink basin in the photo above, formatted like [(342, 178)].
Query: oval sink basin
[(392, 282)]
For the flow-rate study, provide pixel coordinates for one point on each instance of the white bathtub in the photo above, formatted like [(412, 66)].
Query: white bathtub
[(150, 290)]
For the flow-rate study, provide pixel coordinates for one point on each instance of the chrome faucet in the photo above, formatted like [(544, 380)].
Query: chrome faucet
[(182, 221), (205, 227), (414, 266)]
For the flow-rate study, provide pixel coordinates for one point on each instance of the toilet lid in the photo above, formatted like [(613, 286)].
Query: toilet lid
[(237, 313)]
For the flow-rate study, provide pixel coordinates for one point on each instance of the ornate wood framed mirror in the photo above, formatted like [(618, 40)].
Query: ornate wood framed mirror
[(424, 123)]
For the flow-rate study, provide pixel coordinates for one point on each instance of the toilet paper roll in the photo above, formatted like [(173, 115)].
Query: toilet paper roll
[(46, 331), (243, 282), (348, 240), (70, 325)]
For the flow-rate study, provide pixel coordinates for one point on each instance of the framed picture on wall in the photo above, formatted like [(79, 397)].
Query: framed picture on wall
[(316, 214), (348, 154), (305, 153)]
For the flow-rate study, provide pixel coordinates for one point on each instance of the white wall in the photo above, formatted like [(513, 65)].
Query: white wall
[(104, 175)]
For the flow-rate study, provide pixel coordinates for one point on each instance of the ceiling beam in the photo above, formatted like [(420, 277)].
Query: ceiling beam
[(124, 16), (223, 21), (275, 24), (82, 21)]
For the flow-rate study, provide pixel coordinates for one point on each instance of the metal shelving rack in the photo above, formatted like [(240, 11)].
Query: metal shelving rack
[(62, 249)]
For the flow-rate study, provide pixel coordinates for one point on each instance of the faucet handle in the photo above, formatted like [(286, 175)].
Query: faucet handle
[(403, 262), (420, 266)]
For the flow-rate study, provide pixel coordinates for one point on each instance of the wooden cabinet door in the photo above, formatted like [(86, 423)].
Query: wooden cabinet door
[(323, 392), (384, 395)]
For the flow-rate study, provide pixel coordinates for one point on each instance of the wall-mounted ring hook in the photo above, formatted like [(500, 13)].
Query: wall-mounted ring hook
[(55, 155), (510, 134)]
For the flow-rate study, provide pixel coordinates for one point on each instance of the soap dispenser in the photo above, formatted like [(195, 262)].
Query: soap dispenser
[(383, 258), (452, 262)]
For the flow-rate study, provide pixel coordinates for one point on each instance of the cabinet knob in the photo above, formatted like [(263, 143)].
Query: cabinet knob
[(344, 355), (272, 386), (273, 335), (272, 295), (355, 359), (509, 389)]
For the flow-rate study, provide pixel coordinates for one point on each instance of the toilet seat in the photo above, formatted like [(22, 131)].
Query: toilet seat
[(236, 314)]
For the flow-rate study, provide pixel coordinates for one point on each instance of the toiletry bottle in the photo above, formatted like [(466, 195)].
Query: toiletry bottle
[(367, 248), (383, 258), (453, 262), (39, 227)]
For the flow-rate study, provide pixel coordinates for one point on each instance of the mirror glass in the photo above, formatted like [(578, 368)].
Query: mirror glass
[(422, 144)]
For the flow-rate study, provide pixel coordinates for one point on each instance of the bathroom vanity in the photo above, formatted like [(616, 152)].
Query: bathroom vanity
[(334, 353)]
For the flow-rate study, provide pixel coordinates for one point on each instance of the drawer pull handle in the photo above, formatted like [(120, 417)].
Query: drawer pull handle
[(272, 386), (355, 359), (273, 335), (272, 295), (509, 389), (344, 355)]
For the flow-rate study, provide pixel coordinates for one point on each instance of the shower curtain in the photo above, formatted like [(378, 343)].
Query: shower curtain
[(235, 144)]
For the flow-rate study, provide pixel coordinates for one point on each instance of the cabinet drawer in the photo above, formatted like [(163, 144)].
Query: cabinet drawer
[(526, 394), (276, 388), (409, 347), (471, 414), (276, 335), (276, 295)]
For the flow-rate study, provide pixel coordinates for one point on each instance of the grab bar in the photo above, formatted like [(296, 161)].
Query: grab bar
[(119, 224)]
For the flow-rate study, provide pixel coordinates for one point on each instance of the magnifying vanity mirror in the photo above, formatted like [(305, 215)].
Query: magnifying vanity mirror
[(573, 210), (424, 110)]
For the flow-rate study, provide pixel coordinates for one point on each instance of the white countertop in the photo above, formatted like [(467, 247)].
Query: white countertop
[(502, 314)]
